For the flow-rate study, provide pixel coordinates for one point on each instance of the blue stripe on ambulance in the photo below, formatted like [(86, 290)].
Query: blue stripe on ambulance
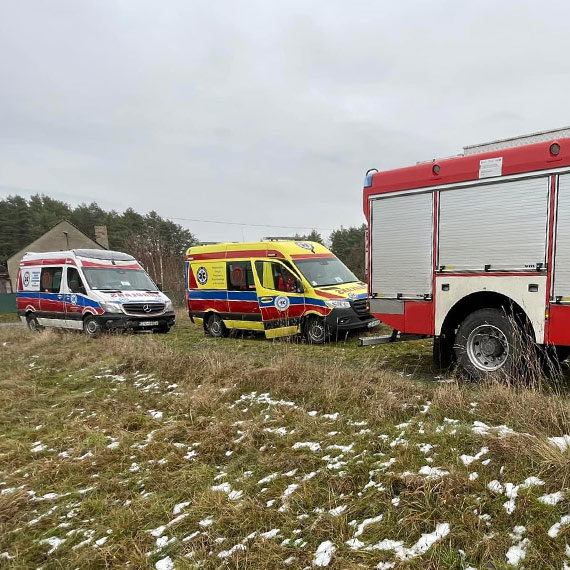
[(82, 300)]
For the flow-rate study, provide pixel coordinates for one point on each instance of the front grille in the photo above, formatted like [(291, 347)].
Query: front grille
[(143, 309), (361, 307)]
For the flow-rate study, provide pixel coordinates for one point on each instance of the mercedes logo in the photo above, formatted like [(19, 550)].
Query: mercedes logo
[(146, 308)]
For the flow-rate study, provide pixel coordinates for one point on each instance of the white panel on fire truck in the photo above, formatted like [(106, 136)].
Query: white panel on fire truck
[(401, 255), (542, 136), (562, 251), (500, 225)]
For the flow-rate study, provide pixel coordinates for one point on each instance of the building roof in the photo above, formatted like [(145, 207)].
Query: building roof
[(30, 246)]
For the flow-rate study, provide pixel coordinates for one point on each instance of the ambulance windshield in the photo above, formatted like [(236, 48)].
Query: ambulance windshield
[(117, 279), (320, 272)]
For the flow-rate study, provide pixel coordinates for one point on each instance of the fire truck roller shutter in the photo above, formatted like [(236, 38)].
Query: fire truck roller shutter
[(562, 252), (500, 225), (401, 262)]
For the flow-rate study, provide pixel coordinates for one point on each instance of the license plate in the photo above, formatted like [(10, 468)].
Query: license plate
[(373, 323), (148, 324)]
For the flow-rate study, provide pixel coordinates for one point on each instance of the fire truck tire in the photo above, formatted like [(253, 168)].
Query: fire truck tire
[(215, 326), (442, 352), (315, 330), (488, 342), (91, 327), (32, 322)]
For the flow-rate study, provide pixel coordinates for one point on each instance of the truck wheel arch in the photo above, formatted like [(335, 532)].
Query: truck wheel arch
[(482, 300)]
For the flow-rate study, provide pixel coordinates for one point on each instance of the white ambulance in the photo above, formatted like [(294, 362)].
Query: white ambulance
[(91, 290)]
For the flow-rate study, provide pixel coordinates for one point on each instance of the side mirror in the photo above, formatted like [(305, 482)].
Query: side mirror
[(299, 286), (159, 286)]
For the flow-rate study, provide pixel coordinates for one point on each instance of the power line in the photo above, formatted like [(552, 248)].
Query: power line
[(251, 225)]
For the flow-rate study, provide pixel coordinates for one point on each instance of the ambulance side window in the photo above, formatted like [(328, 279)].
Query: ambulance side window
[(51, 279), (240, 276), (74, 283), (274, 276)]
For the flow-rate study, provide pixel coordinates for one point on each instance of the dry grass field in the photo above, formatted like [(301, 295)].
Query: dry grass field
[(182, 451)]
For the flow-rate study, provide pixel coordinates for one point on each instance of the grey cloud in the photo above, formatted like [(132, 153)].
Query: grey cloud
[(259, 111)]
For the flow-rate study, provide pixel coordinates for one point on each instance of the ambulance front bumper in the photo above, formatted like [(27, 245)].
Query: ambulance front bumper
[(342, 320), (110, 321)]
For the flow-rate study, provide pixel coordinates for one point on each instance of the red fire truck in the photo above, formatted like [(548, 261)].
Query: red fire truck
[(475, 249)]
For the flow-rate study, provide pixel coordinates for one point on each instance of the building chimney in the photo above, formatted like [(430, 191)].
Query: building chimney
[(101, 236)]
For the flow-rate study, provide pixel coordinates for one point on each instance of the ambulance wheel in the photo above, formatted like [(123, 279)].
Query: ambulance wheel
[(488, 341), (215, 326), (91, 327), (32, 322), (316, 330)]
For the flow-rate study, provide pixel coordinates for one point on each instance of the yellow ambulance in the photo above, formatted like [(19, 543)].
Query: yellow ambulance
[(279, 288)]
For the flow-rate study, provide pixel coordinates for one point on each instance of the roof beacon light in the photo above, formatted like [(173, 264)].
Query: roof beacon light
[(555, 149)]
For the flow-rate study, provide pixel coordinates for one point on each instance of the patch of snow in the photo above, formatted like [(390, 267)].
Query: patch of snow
[(468, 459), (165, 564), (278, 431), (270, 533), (333, 417), (496, 487), (367, 522), (290, 489), (432, 472), (517, 552), (54, 542), (228, 553), (562, 442), (552, 498), (178, 507), (206, 522), (324, 554), (423, 544), (554, 530), (268, 478), (155, 414), (311, 446), (337, 511), (531, 482)]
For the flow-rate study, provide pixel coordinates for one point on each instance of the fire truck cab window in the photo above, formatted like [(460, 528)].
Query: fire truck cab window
[(275, 276), (240, 276), (51, 279)]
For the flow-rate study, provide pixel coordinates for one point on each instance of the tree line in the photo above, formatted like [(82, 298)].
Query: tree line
[(159, 244)]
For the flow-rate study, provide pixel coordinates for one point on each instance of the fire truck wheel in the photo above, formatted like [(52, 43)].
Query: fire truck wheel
[(32, 322), (91, 327), (488, 341), (316, 330), (215, 326)]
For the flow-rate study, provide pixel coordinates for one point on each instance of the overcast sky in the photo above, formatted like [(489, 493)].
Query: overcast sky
[(263, 112)]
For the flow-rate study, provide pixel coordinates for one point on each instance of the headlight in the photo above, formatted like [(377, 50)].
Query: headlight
[(169, 306), (337, 304), (110, 307)]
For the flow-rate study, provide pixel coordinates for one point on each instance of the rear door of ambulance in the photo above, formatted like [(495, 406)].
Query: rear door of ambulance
[(208, 286), (281, 304)]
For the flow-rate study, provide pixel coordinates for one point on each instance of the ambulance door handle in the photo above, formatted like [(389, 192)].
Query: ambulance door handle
[(266, 299)]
